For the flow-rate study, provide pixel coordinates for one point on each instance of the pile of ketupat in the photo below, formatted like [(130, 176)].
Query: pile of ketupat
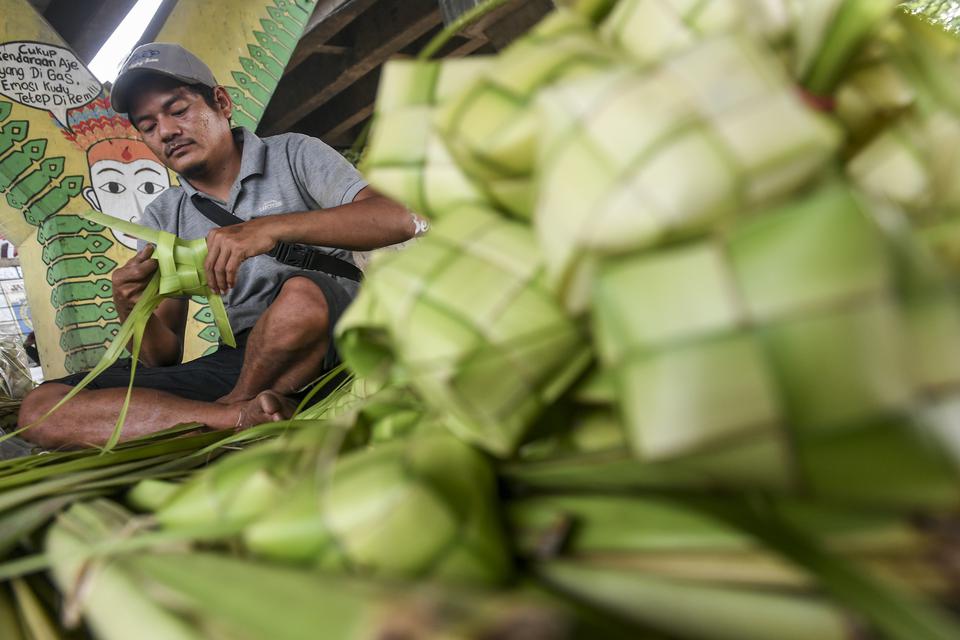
[(679, 358)]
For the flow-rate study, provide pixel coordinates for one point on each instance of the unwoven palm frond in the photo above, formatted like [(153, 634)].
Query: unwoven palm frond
[(173, 593), (649, 31), (829, 36), (657, 549)]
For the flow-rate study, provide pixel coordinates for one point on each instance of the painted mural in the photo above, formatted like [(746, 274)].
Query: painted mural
[(63, 150)]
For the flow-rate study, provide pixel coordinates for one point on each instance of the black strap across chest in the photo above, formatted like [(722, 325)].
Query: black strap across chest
[(295, 255)]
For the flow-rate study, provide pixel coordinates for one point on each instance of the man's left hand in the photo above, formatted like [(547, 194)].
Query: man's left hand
[(228, 247)]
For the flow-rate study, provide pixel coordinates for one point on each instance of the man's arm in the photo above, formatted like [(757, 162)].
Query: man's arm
[(163, 337), (369, 222)]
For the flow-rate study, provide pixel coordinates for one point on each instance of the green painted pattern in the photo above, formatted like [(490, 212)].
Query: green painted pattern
[(36, 181), (205, 314), (257, 75), (85, 358), (15, 163), (208, 332), (92, 336), (54, 200), (11, 133), (72, 248), (65, 225), (261, 55), (83, 290), (75, 245), (79, 267), (86, 313)]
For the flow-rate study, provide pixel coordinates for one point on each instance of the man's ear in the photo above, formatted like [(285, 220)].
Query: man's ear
[(224, 102)]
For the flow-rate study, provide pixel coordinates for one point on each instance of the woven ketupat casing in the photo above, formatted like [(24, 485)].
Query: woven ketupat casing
[(915, 164), (866, 99), (408, 508), (791, 328), (406, 159), (491, 127), (649, 31), (629, 160), (466, 317), (907, 106)]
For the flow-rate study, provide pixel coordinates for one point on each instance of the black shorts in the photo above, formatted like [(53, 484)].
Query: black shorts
[(207, 378), (210, 377)]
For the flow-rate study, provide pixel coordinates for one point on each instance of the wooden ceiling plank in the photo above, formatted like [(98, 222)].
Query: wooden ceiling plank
[(467, 47), (328, 19), (337, 136), (376, 36), (343, 112), (358, 96), (508, 27), (333, 49)]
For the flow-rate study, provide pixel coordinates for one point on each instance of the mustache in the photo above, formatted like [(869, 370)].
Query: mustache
[(170, 147)]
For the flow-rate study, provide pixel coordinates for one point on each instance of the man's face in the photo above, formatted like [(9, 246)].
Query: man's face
[(179, 127)]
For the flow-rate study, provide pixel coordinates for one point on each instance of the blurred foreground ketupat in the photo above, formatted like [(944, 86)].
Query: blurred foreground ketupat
[(680, 358)]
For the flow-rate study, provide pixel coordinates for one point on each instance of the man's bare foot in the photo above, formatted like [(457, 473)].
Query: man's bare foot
[(268, 406)]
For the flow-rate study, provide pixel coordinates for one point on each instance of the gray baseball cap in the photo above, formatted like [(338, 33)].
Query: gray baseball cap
[(157, 57)]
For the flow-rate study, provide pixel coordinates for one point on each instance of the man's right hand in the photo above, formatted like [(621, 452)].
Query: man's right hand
[(131, 279)]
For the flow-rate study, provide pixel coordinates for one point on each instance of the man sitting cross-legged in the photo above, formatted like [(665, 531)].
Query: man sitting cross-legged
[(288, 188)]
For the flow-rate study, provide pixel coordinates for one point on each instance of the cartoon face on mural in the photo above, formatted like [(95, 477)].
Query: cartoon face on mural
[(124, 175), (124, 178)]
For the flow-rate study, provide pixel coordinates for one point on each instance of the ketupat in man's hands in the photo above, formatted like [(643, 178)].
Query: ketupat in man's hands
[(130, 280)]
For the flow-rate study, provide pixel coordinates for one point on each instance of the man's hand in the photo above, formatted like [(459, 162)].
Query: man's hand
[(131, 279), (228, 247)]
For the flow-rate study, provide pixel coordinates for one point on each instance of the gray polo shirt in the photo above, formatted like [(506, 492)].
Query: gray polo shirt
[(281, 174)]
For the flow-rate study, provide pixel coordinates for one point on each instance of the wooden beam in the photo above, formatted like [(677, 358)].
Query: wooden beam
[(331, 117), (507, 28), (341, 135), (464, 48), (478, 28), (337, 121), (328, 19), (344, 112), (333, 49), (376, 36)]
